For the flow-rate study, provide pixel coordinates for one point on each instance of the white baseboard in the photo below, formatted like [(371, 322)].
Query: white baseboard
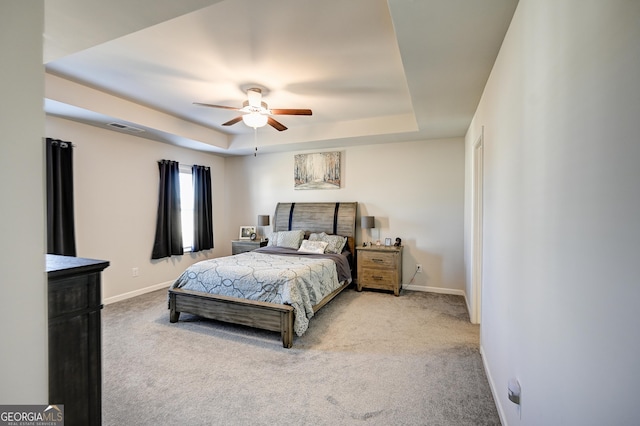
[(135, 293), (440, 290), (492, 386)]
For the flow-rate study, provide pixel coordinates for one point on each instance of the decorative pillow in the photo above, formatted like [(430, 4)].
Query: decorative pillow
[(312, 246), (316, 237), (273, 239), (335, 243), (290, 239)]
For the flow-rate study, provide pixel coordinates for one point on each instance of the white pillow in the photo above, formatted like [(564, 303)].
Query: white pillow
[(290, 239), (273, 239), (312, 246)]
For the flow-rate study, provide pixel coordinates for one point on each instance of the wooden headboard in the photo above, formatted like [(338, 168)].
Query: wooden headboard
[(331, 218)]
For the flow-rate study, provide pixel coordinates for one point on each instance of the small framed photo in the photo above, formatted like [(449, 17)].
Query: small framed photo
[(246, 231), (387, 242)]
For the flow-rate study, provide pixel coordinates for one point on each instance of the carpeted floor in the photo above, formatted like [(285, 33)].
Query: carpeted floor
[(367, 358)]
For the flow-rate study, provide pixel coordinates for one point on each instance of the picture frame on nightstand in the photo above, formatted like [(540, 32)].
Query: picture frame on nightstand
[(246, 231), (387, 242)]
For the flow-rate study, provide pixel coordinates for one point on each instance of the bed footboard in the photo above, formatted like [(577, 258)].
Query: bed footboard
[(263, 315)]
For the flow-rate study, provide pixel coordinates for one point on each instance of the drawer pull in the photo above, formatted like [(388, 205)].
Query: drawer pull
[(377, 260), (377, 277)]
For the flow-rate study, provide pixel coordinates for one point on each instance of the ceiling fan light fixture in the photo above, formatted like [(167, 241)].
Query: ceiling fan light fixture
[(254, 119), (256, 113)]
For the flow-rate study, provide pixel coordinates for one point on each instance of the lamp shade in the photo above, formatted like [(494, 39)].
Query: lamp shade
[(367, 222), (263, 220)]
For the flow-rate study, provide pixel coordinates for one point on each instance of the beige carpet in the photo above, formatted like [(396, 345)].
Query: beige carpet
[(367, 358)]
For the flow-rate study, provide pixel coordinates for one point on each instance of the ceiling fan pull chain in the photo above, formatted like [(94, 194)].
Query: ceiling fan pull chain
[(255, 141)]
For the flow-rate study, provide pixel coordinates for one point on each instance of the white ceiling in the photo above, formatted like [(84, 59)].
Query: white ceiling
[(371, 70)]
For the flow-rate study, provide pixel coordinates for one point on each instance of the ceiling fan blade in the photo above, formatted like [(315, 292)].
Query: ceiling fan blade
[(217, 106), (276, 124), (232, 121), (291, 111)]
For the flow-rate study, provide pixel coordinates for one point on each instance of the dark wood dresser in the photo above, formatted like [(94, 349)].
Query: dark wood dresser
[(75, 337)]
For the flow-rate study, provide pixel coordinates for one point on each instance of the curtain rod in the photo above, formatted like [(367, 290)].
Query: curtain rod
[(62, 143), (184, 164)]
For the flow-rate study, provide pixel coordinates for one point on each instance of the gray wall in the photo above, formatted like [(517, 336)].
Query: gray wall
[(415, 191), (23, 329), (116, 201), (561, 117)]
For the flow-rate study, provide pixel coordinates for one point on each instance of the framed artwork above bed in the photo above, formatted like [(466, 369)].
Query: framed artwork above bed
[(320, 170)]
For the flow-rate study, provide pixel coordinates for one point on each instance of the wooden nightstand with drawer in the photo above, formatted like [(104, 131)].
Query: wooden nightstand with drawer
[(242, 246), (380, 267)]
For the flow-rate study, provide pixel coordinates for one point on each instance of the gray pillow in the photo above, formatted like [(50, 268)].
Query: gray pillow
[(316, 237), (335, 243), (290, 239)]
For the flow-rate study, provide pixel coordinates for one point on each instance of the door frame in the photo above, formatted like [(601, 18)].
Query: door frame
[(477, 229)]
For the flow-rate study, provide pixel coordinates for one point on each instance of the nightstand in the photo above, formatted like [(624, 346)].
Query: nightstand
[(242, 246), (380, 267)]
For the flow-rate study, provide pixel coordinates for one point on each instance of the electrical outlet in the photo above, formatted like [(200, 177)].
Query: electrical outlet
[(134, 272), (419, 268)]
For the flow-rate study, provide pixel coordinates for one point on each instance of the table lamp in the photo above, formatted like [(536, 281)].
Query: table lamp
[(263, 220), (367, 222)]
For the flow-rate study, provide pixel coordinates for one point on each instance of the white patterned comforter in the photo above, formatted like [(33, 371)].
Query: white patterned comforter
[(295, 279)]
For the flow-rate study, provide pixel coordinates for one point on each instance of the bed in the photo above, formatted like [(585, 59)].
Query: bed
[(197, 290)]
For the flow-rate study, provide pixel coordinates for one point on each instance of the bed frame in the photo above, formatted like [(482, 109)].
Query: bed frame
[(332, 218)]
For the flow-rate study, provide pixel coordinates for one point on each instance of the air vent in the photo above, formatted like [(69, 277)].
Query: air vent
[(125, 128)]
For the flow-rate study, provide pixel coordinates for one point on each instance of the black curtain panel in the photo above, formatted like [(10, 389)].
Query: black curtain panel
[(168, 241), (202, 211), (61, 237)]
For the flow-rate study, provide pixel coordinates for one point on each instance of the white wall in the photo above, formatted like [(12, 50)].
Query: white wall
[(415, 190), (116, 199), (561, 113), (23, 329)]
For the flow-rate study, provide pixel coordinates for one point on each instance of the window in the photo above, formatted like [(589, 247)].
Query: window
[(184, 221), (186, 207)]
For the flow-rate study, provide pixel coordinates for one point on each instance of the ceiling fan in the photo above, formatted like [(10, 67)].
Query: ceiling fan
[(256, 113)]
